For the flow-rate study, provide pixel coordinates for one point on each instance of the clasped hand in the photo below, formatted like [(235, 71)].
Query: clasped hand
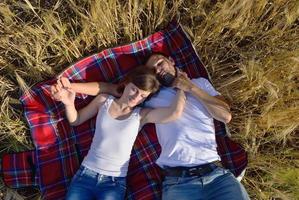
[(182, 81), (63, 92)]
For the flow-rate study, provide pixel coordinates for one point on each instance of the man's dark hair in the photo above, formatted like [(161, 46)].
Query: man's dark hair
[(154, 53)]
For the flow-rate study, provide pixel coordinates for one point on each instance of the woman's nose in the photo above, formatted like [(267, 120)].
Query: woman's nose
[(135, 96)]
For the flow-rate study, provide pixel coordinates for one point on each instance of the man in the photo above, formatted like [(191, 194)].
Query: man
[(188, 145)]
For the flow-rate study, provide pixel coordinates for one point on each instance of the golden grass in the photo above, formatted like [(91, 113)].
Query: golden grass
[(250, 48)]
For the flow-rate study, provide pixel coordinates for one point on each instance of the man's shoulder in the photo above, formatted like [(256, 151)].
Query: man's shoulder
[(199, 79)]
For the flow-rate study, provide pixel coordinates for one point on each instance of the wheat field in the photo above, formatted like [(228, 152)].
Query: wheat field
[(250, 48)]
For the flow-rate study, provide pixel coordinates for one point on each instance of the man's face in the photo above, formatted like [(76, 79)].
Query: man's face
[(162, 64)]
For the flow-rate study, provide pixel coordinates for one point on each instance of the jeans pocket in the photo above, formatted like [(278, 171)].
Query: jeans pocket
[(78, 175)]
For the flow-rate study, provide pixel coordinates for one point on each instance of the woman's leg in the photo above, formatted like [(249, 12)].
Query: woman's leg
[(111, 188), (82, 186)]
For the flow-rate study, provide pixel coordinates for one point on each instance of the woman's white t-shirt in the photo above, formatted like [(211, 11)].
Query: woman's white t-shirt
[(112, 143)]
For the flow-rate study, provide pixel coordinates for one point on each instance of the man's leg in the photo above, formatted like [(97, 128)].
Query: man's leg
[(187, 188), (222, 185)]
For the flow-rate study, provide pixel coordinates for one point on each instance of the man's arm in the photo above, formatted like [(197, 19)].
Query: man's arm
[(215, 105)]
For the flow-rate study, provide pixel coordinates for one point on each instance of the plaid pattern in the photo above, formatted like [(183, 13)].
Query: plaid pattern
[(20, 169), (59, 148)]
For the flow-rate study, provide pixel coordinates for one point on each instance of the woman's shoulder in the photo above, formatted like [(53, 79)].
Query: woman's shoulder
[(102, 98), (144, 111)]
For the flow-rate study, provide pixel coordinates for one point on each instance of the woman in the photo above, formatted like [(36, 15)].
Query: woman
[(103, 171)]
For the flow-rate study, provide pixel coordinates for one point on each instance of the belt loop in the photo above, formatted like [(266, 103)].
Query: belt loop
[(184, 174), (100, 176), (113, 178), (83, 170)]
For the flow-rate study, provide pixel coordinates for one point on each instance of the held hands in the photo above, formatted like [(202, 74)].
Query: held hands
[(182, 81), (91, 88), (62, 92)]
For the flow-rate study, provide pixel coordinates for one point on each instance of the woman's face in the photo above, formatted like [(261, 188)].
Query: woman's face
[(133, 95)]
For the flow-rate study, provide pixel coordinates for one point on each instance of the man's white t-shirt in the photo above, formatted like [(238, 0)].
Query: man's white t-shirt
[(189, 140)]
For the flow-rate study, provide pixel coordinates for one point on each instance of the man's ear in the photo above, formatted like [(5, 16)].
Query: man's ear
[(171, 60)]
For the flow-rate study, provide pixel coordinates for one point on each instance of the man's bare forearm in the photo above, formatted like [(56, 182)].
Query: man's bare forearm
[(217, 108)]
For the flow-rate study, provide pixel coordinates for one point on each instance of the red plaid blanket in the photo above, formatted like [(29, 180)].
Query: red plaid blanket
[(59, 148)]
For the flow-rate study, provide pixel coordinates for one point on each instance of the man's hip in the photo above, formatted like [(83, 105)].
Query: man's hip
[(202, 182)]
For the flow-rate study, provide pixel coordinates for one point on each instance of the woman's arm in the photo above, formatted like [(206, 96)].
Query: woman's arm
[(165, 114), (67, 97), (89, 88), (78, 117)]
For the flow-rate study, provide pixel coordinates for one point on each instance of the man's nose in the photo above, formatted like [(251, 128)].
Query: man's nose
[(158, 69)]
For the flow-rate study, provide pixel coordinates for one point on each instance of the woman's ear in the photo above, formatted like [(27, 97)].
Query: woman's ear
[(120, 88)]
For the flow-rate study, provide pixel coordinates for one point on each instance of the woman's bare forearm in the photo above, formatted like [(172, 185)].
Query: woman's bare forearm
[(167, 114), (71, 114), (96, 88), (89, 88), (177, 106)]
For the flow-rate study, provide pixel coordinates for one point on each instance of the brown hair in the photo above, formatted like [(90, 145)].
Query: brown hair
[(143, 77), (155, 53)]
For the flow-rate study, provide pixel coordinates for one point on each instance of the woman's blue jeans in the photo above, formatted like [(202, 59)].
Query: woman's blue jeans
[(220, 184), (90, 185)]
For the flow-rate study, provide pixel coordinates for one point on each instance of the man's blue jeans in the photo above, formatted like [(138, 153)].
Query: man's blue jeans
[(89, 185), (220, 184)]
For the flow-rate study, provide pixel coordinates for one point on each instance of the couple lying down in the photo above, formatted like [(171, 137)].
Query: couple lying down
[(183, 110)]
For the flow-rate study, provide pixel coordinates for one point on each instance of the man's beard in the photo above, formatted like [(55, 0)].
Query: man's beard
[(167, 79)]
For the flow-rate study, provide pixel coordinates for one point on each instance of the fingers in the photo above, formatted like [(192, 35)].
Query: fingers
[(58, 87), (182, 81), (70, 90), (182, 73), (59, 83), (176, 82), (65, 82), (53, 90), (185, 74)]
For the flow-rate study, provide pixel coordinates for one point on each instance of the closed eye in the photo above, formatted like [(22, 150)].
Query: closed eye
[(134, 89), (159, 63)]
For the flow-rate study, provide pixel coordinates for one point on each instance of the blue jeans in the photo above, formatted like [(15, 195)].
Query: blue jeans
[(220, 184), (90, 185)]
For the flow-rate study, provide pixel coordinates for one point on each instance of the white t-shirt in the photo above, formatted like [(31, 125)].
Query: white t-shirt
[(111, 146), (189, 140)]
